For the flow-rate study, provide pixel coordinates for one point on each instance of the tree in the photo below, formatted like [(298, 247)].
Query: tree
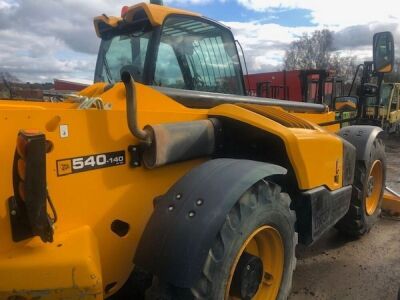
[(310, 51), (316, 51), (345, 66)]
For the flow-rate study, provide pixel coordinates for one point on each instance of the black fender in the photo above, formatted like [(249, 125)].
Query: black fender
[(361, 137), (186, 220)]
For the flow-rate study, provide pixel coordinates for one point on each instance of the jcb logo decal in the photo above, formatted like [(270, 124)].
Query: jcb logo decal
[(90, 162), (64, 167)]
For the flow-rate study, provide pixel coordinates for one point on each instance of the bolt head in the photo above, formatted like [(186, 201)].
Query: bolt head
[(13, 212), (178, 196)]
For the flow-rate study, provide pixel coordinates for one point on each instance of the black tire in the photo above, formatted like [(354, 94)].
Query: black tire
[(357, 222), (263, 204)]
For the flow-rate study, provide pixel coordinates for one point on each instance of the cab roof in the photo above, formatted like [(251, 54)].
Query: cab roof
[(156, 14)]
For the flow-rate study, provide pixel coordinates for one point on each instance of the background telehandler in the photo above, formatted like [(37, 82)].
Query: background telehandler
[(150, 184), (386, 113)]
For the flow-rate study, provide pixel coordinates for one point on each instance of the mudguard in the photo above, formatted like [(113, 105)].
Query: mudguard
[(362, 137), (186, 220)]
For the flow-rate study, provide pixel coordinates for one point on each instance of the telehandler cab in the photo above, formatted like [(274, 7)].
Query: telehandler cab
[(157, 182)]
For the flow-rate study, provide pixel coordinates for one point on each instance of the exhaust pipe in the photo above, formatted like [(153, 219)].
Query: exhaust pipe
[(171, 142), (131, 110)]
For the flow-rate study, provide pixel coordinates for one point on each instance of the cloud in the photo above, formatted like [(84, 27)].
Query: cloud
[(47, 39), (361, 35), (264, 45), (44, 39), (338, 13)]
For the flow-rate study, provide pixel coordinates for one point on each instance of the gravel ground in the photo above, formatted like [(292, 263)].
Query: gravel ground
[(367, 268)]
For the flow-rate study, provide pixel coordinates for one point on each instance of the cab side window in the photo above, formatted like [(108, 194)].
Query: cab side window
[(197, 55)]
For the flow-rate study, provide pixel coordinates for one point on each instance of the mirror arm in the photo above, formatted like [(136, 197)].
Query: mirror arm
[(354, 78)]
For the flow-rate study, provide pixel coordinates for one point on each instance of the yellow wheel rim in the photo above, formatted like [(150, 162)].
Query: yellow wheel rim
[(265, 243), (374, 187)]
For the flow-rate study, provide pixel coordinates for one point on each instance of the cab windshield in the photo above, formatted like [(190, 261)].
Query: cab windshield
[(123, 50), (186, 53)]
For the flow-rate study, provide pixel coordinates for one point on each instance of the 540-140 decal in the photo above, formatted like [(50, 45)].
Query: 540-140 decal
[(90, 162)]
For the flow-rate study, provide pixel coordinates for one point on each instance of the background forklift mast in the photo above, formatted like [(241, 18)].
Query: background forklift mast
[(313, 86)]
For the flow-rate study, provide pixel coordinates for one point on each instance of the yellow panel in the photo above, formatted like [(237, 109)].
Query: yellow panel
[(96, 198), (318, 118), (69, 268), (391, 204), (155, 13), (316, 155)]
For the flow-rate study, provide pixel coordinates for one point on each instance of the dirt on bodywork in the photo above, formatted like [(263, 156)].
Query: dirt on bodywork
[(367, 268)]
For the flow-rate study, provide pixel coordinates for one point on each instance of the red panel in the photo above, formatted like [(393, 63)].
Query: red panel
[(279, 80)]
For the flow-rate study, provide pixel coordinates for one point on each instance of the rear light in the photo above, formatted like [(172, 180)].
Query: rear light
[(28, 207), (124, 10)]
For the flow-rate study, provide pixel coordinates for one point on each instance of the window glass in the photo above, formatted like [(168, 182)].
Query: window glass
[(125, 50), (204, 53), (168, 73), (386, 90)]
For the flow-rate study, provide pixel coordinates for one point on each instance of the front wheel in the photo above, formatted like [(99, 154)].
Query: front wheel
[(367, 195), (252, 256)]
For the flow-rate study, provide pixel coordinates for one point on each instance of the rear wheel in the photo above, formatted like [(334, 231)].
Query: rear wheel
[(252, 256), (368, 188)]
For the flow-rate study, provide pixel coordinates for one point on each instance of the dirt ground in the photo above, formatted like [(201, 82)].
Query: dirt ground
[(367, 268)]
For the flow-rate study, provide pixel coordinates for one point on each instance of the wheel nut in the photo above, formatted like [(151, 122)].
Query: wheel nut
[(178, 196), (171, 208), (191, 214), (199, 202)]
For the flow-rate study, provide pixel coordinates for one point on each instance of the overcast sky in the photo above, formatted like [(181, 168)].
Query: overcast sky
[(45, 39)]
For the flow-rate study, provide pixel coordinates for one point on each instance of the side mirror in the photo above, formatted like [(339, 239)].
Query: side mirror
[(345, 103), (383, 52)]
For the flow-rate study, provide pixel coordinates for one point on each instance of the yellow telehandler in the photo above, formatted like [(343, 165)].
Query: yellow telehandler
[(386, 113), (164, 181)]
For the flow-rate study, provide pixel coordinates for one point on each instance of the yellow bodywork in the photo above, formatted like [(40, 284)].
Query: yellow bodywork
[(87, 260), (86, 257), (391, 204), (388, 113), (155, 13)]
